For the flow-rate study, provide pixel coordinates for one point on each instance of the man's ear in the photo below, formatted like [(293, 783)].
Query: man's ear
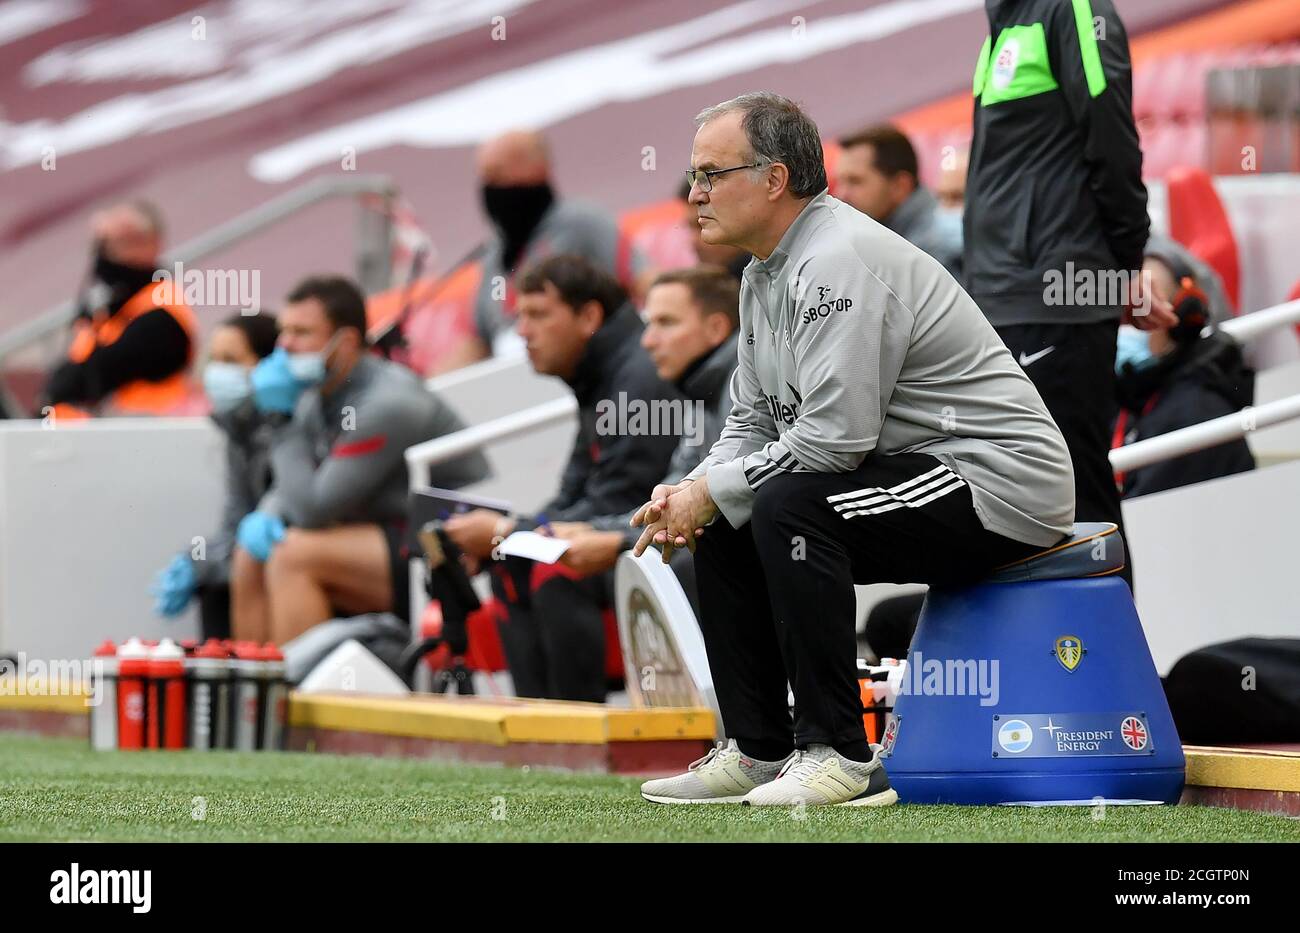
[(717, 327), (351, 337), (778, 180), (901, 187), (590, 316)]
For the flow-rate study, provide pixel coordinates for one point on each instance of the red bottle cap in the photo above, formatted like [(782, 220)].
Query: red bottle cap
[(211, 649), (106, 649)]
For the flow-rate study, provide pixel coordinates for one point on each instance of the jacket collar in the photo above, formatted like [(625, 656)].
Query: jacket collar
[(994, 8), (605, 351), (794, 239), (239, 423), (360, 376), (912, 213), (705, 377)]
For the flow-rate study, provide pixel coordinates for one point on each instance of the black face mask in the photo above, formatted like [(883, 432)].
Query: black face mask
[(515, 211), (118, 275), (109, 284)]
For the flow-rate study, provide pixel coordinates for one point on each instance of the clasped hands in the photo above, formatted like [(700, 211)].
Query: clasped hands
[(674, 517)]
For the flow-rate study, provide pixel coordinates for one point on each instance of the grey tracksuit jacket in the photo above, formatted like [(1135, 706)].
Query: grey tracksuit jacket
[(852, 341), (341, 458)]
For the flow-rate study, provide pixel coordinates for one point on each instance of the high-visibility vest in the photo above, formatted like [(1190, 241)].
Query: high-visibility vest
[(141, 396)]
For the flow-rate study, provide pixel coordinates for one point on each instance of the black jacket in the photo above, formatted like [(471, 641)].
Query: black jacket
[(153, 347), (706, 382), (706, 386), (1055, 180), (614, 466), (1205, 380)]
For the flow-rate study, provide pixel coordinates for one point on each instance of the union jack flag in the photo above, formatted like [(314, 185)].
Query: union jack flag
[(1133, 733)]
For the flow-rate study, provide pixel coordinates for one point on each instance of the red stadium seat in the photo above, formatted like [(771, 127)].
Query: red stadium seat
[(1198, 221), (486, 654)]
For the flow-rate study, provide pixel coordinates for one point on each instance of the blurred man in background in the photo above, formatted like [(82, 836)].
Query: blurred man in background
[(236, 346), (530, 222), (691, 320), (328, 539), (877, 173), (578, 324), (133, 338), (1173, 377), (1055, 194)]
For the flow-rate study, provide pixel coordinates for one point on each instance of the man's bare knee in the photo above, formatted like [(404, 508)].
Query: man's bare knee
[(246, 571), (291, 555)]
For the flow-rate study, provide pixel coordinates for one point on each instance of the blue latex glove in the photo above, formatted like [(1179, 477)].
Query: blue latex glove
[(259, 533), (274, 387), (173, 587)]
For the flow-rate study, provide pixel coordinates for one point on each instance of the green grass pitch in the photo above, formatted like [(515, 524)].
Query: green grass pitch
[(59, 790)]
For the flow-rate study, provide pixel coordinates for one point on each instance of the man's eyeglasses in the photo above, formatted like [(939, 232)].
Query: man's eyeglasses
[(704, 177)]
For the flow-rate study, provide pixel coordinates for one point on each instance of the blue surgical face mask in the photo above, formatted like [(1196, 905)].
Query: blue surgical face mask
[(226, 385), (1133, 348), (310, 368), (307, 368)]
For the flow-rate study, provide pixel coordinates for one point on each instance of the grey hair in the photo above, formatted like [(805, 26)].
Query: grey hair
[(778, 130)]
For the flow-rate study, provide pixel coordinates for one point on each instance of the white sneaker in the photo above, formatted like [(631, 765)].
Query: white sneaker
[(724, 775), (822, 776)]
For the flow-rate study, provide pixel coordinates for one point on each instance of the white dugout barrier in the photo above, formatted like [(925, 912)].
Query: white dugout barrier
[(88, 513)]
